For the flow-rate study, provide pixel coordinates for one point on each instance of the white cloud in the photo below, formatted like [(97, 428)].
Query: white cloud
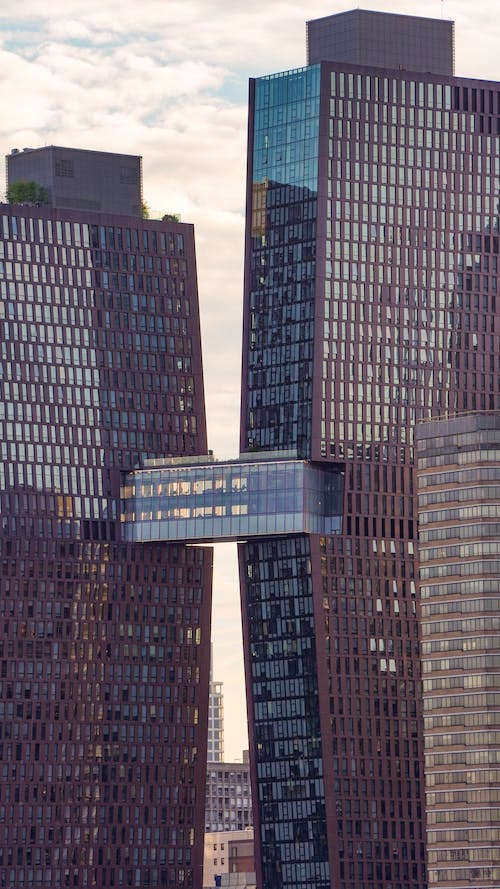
[(168, 79)]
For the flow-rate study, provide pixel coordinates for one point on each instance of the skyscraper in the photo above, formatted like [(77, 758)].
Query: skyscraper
[(104, 644), (370, 302), (458, 470)]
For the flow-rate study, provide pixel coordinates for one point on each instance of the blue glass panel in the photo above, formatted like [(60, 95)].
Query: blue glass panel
[(282, 262)]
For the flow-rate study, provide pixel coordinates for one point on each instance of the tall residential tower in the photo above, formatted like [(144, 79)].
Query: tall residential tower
[(370, 302), (104, 644)]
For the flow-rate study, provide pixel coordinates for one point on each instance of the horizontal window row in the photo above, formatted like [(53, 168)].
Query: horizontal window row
[(487, 757), (467, 588), (480, 661), (463, 530), (472, 815), (463, 720), (481, 854), (57, 878), (490, 837), (130, 239), (462, 644), (130, 262), (47, 231), (461, 477), (481, 681), (460, 494), (397, 90), (460, 606), (483, 566), (467, 452)]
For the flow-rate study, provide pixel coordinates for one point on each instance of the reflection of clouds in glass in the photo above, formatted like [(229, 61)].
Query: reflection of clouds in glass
[(286, 128), (278, 352)]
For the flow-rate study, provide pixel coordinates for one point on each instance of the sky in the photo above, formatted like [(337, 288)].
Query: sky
[(168, 79)]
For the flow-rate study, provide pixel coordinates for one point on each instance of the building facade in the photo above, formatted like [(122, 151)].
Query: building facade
[(458, 484), (229, 859), (215, 748), (229, 799), (104, 644), (370, 302)]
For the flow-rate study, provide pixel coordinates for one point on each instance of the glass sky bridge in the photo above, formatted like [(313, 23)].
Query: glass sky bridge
[(205, 500)]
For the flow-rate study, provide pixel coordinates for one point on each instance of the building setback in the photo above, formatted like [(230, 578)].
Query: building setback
[(370, 302), (458, 474), (104, 644)]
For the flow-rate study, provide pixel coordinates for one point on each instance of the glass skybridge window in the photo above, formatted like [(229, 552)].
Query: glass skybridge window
[(205, 500)]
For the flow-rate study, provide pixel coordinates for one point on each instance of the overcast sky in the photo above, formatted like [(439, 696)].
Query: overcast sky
[(168, 79)]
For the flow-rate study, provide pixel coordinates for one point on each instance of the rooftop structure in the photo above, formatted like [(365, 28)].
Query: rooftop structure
[(75, 178), (383, 40)]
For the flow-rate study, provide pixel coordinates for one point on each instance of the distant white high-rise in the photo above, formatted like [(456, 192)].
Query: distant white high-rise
[(215, 750)]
